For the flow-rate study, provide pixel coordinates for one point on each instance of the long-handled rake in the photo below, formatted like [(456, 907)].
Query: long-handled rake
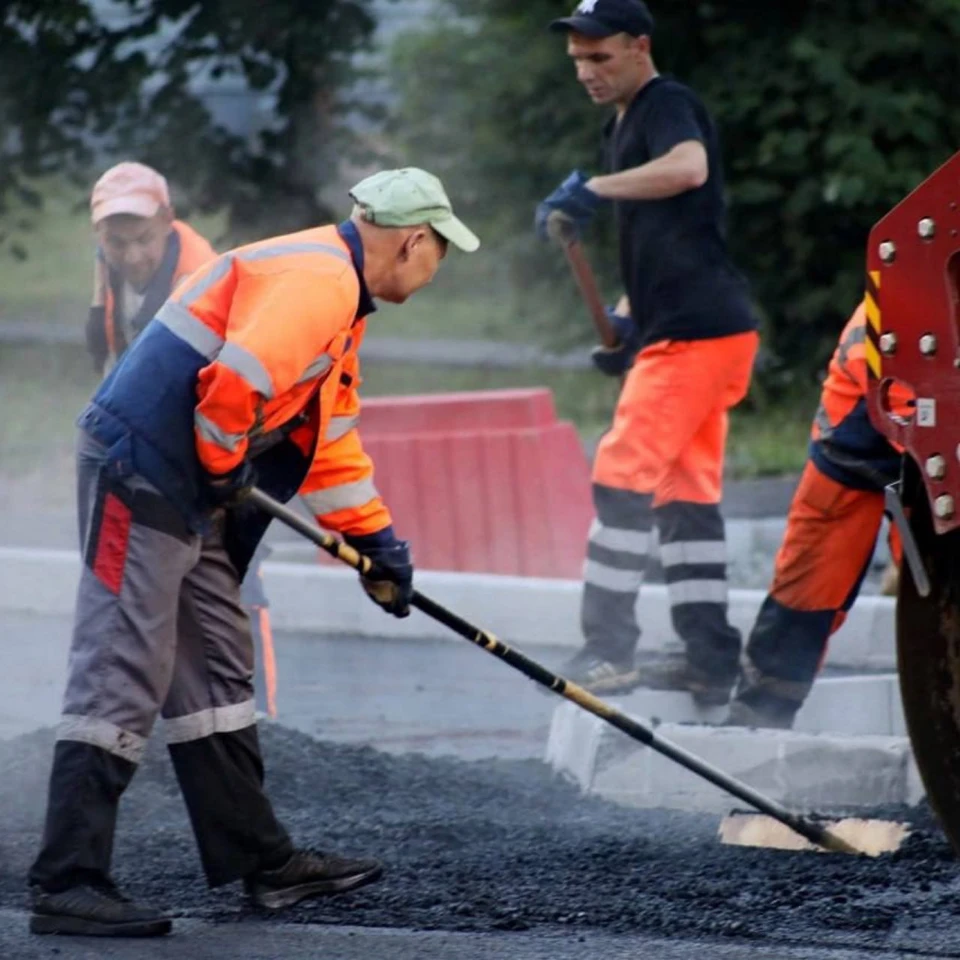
[(865, 836)]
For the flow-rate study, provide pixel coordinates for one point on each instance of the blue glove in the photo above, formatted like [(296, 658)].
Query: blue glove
[(575, 201), (229, 489), (393, 589), (616, 361)]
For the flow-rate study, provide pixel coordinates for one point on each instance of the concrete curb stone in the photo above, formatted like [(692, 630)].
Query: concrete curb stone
[(801, 770), (527, 611)]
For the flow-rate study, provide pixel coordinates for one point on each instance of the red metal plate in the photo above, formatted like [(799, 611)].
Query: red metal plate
[(917, 292)]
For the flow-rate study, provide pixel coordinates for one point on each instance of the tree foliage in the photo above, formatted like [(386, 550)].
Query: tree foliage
[(830, 112), (83, 80)]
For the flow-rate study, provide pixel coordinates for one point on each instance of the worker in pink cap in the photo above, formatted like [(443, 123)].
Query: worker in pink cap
[(142, 253)]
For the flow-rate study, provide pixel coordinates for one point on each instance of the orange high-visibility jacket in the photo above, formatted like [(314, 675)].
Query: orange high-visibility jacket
[(187, 250), (844, 443), (846, 382), (279, 320)]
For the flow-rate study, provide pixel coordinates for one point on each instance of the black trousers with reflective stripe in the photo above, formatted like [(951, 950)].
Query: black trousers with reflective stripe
[(692, 537), (693, 549), (617, 555)]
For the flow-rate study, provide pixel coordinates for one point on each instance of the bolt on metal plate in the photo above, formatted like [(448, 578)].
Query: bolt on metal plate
[(888, 343), (936, 467), (927, 228), (943, 506), (888, 251), (928, 344)]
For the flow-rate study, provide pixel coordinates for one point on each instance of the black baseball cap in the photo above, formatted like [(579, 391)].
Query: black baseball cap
[(604, 18)]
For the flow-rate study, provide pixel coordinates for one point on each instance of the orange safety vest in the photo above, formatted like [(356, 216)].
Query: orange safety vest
[(846, 382), (280, 320), (844, 443), (194, 252)]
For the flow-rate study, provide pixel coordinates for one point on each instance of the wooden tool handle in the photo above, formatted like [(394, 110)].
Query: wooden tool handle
[(564, 233)]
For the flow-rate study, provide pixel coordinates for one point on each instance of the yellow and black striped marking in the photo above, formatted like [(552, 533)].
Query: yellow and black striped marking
[(346, 553), (489, 642), (872, 343)]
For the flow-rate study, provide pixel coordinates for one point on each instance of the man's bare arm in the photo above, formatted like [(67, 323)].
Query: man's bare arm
[(683, 168)]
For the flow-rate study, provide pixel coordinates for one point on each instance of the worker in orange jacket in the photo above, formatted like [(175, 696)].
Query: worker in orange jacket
[(832, 527), (247, 374), (142, 253)]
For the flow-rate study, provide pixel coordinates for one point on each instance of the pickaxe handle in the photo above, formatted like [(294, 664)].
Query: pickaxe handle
[(564, 233)]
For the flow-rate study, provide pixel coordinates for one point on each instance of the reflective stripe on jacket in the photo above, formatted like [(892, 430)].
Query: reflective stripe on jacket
[(339, 488)]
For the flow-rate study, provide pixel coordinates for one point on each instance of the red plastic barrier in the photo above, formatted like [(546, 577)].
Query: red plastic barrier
[(502, 501), (485, 481), (469, 410)]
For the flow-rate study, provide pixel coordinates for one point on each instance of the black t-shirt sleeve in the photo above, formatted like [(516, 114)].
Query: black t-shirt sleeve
[(672, 120)]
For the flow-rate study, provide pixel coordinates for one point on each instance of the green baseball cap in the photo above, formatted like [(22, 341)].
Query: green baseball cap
[(409, 197)]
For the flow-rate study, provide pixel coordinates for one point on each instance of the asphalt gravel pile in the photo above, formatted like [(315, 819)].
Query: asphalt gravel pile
[(505, 845)]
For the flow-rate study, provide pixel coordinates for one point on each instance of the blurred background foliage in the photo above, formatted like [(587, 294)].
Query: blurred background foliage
[(82, 81), (262, 114), (829, 112)]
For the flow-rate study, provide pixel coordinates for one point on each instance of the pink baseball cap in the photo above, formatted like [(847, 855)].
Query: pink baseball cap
[(131, 188)]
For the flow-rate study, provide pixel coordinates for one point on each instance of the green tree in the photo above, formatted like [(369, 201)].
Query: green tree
[(80, 79), (829, 114)]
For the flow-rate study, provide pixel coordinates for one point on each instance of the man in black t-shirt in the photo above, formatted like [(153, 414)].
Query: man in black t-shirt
[(687, 363)]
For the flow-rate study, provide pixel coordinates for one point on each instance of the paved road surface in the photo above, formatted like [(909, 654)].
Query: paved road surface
[(443, 698), (198, 941)]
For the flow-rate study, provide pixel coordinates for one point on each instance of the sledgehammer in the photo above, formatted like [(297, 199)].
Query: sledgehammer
[(807, 828)]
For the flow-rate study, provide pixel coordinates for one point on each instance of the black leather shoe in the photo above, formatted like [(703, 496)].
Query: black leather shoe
[(94, 911), (310, 874)]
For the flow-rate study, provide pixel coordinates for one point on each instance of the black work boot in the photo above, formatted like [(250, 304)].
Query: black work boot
[(599, 675), (708, 688), (310, 874), (760, 709), (94, 911), (763, 699)]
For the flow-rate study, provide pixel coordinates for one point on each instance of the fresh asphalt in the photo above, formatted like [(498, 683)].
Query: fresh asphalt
[(426, 754)]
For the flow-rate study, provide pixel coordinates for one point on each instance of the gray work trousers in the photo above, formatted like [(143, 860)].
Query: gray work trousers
[(159, 629)]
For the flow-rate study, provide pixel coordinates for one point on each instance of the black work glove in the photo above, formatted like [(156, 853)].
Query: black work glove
[(393, 589), (231, 488), (574, 200), (616, 361)]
